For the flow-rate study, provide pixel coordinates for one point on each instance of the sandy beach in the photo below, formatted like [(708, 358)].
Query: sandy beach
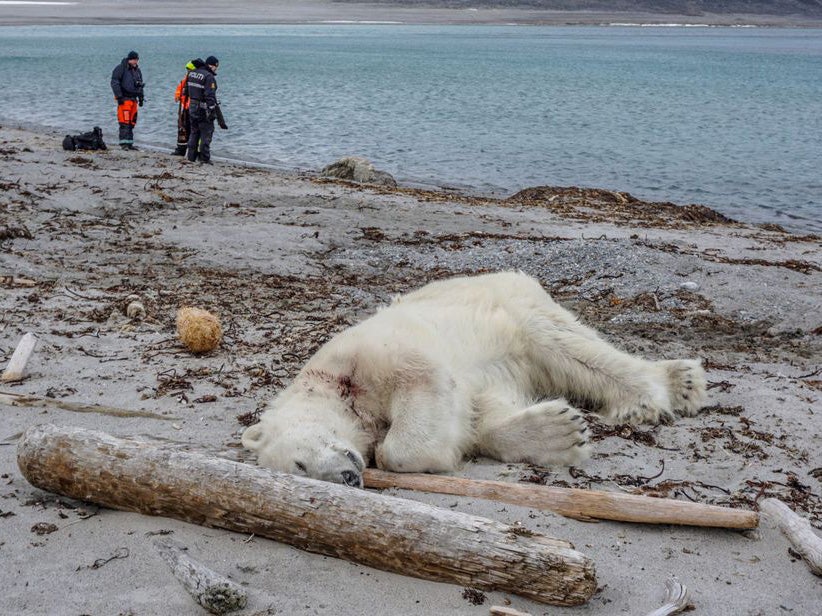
[(286, 261), (324, 11)]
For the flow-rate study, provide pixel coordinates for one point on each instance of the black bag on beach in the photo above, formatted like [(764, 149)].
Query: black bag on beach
[(92, 140)]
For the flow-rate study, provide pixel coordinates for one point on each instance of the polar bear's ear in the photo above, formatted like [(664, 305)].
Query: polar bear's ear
[(253, 437)]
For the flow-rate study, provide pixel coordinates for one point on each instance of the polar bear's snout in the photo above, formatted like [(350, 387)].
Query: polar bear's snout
[(306, 451), (337, 465)]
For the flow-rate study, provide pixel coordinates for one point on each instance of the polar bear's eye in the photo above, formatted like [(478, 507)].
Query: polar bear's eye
[(300, 467)]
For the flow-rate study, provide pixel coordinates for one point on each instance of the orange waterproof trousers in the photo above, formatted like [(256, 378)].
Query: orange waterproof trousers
[(127, 118), (127, 112)]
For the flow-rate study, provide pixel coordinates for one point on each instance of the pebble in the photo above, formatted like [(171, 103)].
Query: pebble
[(689, 286)]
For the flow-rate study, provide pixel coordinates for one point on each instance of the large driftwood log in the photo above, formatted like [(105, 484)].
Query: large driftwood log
[(798, 531), (380, 531), (572, 502)]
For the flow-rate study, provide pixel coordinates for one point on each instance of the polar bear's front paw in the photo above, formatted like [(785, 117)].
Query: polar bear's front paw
[(546, 433), (686, 385)]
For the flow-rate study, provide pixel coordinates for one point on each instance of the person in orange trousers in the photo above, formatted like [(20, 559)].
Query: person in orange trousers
[(127, 85), (183, 115)]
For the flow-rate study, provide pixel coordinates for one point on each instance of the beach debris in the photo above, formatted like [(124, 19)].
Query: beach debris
[(798, 531), (198, 329), (43, 528), (135, 309), (500, 610), (13, 399), (12, 231), (677, 599), (15, 281), (101, 562), (359, 170), (572, 502), (216, 593), (384, 532), (17, 364), (474, 596), (597, 204)]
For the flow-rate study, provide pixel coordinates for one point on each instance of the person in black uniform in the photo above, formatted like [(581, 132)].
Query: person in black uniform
[(127, 85), (203, 110)]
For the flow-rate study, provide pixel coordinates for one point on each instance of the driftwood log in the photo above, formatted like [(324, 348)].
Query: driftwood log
[(380, 531), (798, 531), (216, 593), (572, 502)]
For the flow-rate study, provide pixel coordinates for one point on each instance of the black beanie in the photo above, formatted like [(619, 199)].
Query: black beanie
[(133, 55), (198, 62), (211, 60)]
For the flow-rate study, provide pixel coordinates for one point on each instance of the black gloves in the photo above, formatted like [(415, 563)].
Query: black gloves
[(120, 100), (221, 123), (140, 101)]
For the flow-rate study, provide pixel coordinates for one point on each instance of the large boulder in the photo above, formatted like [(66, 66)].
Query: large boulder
[(358, 169)]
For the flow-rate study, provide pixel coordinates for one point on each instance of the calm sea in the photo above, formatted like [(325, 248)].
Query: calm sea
[(727, 117)]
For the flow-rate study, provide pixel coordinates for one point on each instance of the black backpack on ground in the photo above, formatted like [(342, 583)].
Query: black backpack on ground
[(92, 140)]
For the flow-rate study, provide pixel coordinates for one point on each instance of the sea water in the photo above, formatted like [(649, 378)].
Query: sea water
[(726, 117)]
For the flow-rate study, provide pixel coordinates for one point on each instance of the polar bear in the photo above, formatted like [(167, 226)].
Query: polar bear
[(486, 365)]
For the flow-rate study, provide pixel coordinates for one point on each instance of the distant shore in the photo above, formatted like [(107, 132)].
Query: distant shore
[(105, 12)]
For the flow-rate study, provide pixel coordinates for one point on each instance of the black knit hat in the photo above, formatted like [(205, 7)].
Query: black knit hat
[(212, 61), (133, 55)]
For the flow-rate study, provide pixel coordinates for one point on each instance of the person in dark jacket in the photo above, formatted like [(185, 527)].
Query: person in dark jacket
[(203, 109), (183, 117), (127, 85)]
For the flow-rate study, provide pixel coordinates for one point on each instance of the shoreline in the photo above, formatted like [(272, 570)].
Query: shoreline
[(317, 12), (452, 188)]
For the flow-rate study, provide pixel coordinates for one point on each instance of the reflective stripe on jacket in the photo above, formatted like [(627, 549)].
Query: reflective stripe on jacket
[(202, 86)]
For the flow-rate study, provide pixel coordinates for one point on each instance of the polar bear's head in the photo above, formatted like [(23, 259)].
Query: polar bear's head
[(310, 450)]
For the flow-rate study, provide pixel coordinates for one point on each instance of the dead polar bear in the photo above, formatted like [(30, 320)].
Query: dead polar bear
[(480, 364)]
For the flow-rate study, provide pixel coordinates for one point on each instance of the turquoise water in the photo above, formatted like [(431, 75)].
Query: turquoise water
[(727, 117)]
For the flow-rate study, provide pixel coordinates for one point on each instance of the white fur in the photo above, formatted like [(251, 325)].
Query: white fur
[(479, 364)]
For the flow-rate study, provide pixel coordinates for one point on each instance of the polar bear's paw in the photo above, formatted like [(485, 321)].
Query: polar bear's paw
[(546, 433), (686, 385)]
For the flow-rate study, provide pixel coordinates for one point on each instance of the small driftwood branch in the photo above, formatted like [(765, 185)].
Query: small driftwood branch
[(677, 599), (75, 407), (572, 502), (380, 531), (499, 610), (17, 364), (798, 531), (14, 281), (214, 592)]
